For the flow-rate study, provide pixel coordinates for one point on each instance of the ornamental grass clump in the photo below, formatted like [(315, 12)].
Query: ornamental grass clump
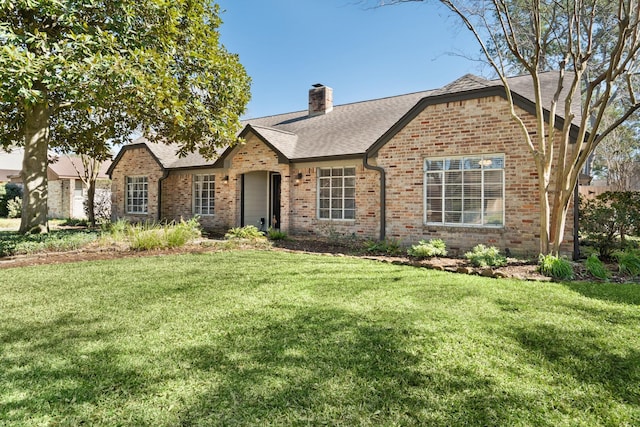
[(555, 267), (596, 268), (249, 232), (428, 249), (485, 256), (628, 262)]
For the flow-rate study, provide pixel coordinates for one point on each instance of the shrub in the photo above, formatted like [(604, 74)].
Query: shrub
[(596, 268), (246, 232), (179, 234), (14, 208), (275, 234), (555, 267), (145, 240), (628, 262), (386, 246), (483, 256), (609, 218), (428, 249), (8, 192)]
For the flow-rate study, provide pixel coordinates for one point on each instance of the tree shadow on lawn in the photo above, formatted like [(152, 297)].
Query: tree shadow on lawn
[(625, 293), (328, 366), (49, 370), (583, 356)]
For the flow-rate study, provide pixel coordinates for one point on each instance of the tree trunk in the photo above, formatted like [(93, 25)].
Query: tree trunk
[(34, 169), (91, 195)]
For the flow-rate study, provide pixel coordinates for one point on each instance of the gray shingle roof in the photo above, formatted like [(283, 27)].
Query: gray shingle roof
[(351, 129)]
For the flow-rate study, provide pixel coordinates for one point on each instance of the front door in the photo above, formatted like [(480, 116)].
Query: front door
[(260, 203), (276, 180)]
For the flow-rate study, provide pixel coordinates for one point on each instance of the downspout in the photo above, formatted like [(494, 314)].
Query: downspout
[(383, 194), (164, 176)]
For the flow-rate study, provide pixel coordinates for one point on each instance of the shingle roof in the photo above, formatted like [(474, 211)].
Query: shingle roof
[(68, 167), (352, 129)]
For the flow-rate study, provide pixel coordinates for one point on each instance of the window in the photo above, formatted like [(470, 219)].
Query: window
[(465, 190), (204, 189), (337, 193), (137, 194)]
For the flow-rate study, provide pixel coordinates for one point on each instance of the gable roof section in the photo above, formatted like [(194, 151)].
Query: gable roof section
[(473, 87)]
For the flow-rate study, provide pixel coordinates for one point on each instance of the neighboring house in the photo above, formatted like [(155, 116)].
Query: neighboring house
[(447, 163), (66, 191), (10, 164)]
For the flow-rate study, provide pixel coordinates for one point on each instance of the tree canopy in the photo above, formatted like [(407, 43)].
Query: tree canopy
[(78, 74)]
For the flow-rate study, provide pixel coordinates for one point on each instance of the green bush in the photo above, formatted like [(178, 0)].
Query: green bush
[(180, 234), (8, 192), (596, 268), (246, 232), (609, 219), (14, 208), (386, 246), (484, 256), (553, 266), (428, 249), (628, 262), (275, 234)]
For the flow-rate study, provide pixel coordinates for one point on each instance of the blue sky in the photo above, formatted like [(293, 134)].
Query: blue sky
[(361, 52)]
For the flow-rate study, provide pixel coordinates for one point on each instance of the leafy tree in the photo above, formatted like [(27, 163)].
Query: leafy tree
[(150, 65), (593, 45)]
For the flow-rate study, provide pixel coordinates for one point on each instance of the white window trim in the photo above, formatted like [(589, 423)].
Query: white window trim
[(145, 204), (194, 193), (456, 224), (355, 174)]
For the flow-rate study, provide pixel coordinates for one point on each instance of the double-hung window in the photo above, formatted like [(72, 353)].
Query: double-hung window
[(337, 193), (137, 194), (465, 190), (204, 190)]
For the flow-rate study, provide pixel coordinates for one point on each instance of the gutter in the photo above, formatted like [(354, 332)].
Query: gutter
[(383, 194)]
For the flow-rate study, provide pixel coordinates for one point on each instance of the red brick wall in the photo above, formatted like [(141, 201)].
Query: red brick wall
[(135, 162), (479, 126), (304, 216)]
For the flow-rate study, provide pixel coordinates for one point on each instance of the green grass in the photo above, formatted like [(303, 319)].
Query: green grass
[(272, 338)]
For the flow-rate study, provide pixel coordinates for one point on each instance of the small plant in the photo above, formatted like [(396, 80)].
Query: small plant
[(596, 268), (628, 262), (386, 246), (180, 234), (14, 207), (428, 249), (556, 267), (275, 234), (485, 256), (246, 232)]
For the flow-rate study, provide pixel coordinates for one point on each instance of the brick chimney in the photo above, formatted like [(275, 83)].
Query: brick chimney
[(320, 100)]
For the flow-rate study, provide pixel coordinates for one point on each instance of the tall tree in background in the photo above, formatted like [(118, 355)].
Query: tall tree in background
[(617, 158), (150, 65), (594, 46)]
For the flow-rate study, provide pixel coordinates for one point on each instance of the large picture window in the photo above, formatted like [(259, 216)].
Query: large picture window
[(337, 193), (137, 194), (465, 190), (204, 189)]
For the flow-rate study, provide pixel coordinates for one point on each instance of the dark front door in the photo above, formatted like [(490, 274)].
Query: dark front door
[(276, 180)]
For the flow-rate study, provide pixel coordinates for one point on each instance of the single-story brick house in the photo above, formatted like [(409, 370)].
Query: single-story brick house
[(447, 163)]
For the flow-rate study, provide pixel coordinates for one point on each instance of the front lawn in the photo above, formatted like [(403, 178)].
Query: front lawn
[(273, 338)]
